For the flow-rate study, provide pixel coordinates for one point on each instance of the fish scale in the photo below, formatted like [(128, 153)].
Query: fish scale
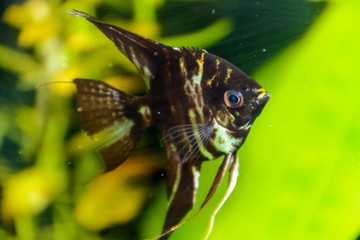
[(201, 104)]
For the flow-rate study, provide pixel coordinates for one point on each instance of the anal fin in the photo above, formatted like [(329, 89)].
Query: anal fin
[(183, 201), (183, 197)]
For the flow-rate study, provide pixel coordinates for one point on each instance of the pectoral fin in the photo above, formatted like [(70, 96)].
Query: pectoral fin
[(218, 180), (233, 175)]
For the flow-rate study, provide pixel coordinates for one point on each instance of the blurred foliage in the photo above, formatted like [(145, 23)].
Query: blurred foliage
[(299, 176)]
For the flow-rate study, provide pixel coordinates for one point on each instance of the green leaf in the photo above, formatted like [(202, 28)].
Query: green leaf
[(202, 38)]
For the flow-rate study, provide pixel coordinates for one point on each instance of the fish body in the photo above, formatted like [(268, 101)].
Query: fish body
[(201, 104)]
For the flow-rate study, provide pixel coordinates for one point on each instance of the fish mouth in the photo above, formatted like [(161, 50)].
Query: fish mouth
[(263, 96), (260, 103)]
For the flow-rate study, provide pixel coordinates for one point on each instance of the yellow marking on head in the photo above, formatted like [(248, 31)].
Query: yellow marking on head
[(229, 70), (261, 90), (209, 81)]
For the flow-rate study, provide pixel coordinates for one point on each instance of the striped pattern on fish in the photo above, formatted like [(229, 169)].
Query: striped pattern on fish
[(202, 105)]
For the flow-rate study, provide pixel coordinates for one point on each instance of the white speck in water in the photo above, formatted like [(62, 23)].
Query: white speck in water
[(69, 163), (65, 65), (156, 53), (80, 109), (110, 64), (263, 50), (158, 113), (96, 139), (162, 174), (256, 15), (258, 3), (270, 125), (80, 147), (213, 11), (21, 152), (246, 176)]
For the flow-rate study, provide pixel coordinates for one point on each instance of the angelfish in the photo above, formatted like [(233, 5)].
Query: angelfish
[(202, 105)]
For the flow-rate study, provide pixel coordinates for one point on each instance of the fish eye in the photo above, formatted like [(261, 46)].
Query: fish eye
[(233, 99)]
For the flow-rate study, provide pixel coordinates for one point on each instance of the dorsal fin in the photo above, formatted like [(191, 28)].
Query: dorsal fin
[(146, 54)]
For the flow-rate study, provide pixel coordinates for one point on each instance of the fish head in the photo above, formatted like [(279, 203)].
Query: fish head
[(235, 99)]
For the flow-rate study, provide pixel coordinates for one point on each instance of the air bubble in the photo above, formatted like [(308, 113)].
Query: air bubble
[(263, 50), (80, 109), (213, 11), (156, 53)]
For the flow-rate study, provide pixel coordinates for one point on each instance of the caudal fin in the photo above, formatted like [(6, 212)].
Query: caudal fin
[(111, 117)]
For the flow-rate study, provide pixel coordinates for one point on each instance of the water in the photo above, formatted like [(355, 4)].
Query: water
[(56, 161)]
